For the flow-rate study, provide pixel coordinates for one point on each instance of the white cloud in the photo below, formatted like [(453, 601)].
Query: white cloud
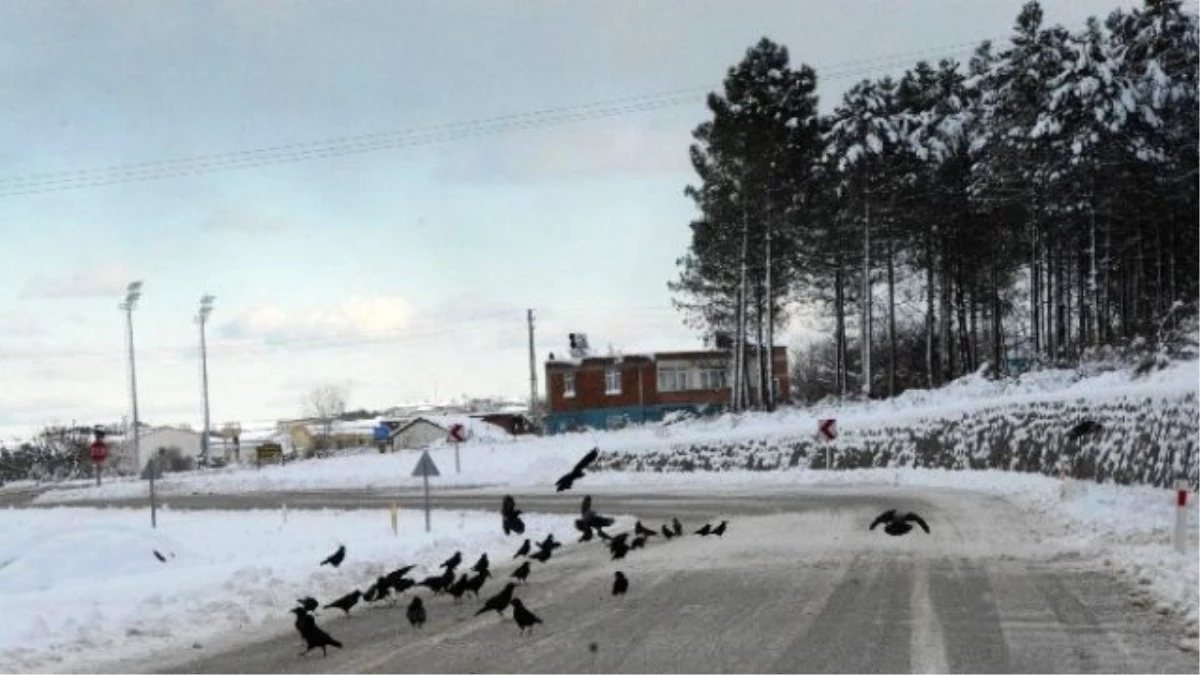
[(350, 320), (87, 281)]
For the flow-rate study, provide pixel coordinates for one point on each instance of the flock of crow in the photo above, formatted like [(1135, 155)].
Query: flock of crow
[(590, 524)]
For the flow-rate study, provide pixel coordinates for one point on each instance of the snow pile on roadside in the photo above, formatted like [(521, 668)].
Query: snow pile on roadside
[(225, 572)]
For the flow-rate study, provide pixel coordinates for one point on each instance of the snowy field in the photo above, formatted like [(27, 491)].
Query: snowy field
[(226, 573)]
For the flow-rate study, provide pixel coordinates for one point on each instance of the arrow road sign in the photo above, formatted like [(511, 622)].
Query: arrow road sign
[(458, 433), (425, 466), (827, 429)]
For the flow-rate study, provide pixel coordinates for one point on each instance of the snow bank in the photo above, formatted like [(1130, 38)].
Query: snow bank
[(80, 586)]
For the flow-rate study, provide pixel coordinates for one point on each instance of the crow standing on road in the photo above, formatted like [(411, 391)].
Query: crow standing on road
[(476, 583), (589, 520), (567, 480), (481, 565), (638, 542), (897, 524), (313, 636), (704, 531), (524, 618), (510, 516), (498, 602), (620, 583), (337, 557), (719, 530), (309, 603), (677, 526), (521, 574), (438, 583), (458, 588), (550, 543), (416, 612), (524, 550), (667, 532), (377, 591), (643, 531), (617, 546), (396, 575), (347, 601), (542, 554)]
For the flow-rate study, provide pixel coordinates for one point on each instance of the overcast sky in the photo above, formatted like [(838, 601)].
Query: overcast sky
[(400, 273)]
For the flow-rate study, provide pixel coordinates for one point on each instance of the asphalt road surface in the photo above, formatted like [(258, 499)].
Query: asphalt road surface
[(797, 584)]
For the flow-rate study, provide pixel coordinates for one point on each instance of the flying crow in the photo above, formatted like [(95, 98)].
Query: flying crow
[(524, 550), (524, 618), (549, 542), (416, 612), (313, 636), (347, 601), (620, 583), (161, 557), (897, 524), (567, 480), (510, 517), (498, 602), (337, 557)]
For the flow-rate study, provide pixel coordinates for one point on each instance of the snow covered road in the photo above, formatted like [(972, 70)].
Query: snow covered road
[(796, 585)]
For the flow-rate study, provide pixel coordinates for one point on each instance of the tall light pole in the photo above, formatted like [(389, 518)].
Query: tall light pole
[(202, 318), (132, 293)]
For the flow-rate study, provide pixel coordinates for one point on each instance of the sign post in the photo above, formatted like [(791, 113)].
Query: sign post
[(154, 464), (426, 468), (99, 451), (828, 432), (1181, 529), (458, 434)]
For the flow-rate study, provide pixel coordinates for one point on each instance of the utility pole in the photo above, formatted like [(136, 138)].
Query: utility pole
[(533, 388), (202, 318), (132, 293), (866, 299), (769, 402)]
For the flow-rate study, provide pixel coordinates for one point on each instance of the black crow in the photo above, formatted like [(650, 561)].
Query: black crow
[(720, 529), (584, 529), (440, 582), (524, 550), (667, 532), (416, 612), (453, 561), (402, 585), (313, 636), (510, 517), (704, 531), (524, 618), (481, 565), (377, 591), (620, 583), (302, 616), (347, 601), (677, 526), (498, 602), (644, 531), (458, 588), (1084, 428), (337, 557), (618, 547), (161, 557), (309, 603), (897, 524), (521, 574), (476, 583), (638, 542), (396, 575), (542, 555), (577, 472), (549, 542)]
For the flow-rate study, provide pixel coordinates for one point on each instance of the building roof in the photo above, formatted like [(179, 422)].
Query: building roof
[(477, 429)]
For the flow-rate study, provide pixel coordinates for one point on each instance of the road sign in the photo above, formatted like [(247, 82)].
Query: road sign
[(827, 429), (458, 433), (99, 451), (382, 433), (425, 466)]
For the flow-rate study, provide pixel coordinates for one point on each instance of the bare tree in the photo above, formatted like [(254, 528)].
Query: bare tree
[(325, 404)]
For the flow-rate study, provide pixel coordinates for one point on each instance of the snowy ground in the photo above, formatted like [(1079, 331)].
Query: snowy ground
[(226, 572)]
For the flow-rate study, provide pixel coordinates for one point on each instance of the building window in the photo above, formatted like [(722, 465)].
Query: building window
[(568, 385), (612, 381), (712, 378), (672, 379)]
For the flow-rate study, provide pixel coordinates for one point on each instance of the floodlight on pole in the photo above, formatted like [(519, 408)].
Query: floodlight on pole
[(206, 307), (132, 293)]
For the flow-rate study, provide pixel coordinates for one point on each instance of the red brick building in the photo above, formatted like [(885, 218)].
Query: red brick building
[(610, 391)]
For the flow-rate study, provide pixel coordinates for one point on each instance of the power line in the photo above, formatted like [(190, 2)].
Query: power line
[(342, 146)]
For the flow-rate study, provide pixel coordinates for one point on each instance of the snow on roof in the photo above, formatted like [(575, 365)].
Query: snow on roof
[(477, 429)]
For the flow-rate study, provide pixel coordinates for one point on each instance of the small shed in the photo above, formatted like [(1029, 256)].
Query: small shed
[(428, 430)]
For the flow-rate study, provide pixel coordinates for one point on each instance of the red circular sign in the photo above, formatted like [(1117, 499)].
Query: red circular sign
[(99, 451)]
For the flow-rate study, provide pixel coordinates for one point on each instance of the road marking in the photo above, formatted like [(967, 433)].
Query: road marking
[(927, 651)]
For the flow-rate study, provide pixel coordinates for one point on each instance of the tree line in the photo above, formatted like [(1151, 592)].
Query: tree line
[(1029, 206)]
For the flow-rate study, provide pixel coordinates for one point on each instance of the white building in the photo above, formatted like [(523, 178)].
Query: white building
[(428, 430), (149, 443)]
